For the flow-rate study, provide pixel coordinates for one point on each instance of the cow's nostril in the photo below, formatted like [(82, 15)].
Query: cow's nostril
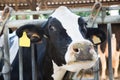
[(76, 49)]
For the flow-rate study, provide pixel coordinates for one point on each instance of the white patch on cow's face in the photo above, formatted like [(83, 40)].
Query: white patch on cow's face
[(69, 22), (58, 72)]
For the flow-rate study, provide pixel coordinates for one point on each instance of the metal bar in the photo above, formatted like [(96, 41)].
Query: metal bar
[(34, 73), (110, 70), (1, 52), (18, 23), (96, 71), (6, 54), (107, 19), (112, 8), (99, 20), (20, 63)]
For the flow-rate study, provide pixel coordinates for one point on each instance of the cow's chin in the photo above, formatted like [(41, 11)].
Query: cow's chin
[(75, 66)]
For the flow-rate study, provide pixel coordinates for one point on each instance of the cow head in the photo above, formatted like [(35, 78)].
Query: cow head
[(69, 41), (67, 33)]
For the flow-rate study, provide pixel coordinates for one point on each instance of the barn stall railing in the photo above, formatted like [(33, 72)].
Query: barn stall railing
[(4, 30), (100, 19)]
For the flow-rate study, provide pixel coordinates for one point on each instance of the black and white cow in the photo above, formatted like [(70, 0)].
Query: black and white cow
[(63, 42)]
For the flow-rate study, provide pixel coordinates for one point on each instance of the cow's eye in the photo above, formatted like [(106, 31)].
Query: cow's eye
[(52, 28)]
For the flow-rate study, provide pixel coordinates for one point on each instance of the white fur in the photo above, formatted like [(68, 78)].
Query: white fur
[(58, 72), (69, 21)]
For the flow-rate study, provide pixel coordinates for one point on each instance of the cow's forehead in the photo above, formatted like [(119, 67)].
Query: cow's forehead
[(69, 22)]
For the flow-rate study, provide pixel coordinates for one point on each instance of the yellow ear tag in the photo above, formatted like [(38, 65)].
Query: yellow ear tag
[(96, 39), (24, 41)]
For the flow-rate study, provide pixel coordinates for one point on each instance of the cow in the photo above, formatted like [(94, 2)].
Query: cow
[(103, 51), (115, 58), (63, 43)]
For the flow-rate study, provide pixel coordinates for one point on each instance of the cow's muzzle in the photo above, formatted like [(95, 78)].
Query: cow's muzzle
[(82, 51), (80, 55)]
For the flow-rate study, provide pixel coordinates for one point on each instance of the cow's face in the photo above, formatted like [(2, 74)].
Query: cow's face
[(66, 36), (66, 32)]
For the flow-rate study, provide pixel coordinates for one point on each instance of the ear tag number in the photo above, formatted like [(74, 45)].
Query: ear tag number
[(24, 41)]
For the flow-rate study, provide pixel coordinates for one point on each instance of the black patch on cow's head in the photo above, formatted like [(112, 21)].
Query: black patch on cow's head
[(34, 32), (82, 26), (58, 38)]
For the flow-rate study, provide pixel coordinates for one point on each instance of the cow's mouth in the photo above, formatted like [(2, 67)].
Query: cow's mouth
[(79, 64), (84, 60), (83, 57), (74, 66)]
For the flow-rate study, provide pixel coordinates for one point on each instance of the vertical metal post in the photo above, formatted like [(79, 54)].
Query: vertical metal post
[(6, 54), (110, 70), (34, 74), (96, 70), (20, 63)]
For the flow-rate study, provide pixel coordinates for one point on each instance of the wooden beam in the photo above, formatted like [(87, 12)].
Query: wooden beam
[(51, 10)]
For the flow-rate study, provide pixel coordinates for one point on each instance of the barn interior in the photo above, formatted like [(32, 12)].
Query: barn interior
[(40, 9)]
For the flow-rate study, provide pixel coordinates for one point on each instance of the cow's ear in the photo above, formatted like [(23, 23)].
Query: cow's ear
[(19, 32), (33, 32), (96, 35)]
